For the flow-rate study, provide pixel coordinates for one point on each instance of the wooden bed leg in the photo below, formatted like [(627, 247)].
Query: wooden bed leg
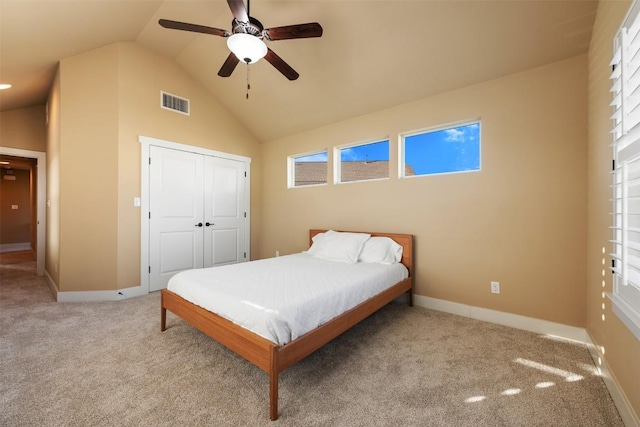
[(273, 396), (410, 297), (163, 319), (273, 385)]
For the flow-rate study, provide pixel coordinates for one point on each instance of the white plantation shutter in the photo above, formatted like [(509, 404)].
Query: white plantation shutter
[(626, 171), (631, 85)]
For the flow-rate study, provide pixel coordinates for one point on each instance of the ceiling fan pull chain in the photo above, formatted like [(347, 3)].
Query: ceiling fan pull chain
[(248, 84)]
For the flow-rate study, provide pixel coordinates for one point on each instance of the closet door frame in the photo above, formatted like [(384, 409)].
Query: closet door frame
[(145, 144)]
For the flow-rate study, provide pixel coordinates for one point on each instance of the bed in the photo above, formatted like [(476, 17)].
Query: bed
[(274, 354)]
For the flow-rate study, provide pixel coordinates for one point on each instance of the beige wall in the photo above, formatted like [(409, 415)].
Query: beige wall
[(107, 98), (24, 128), (520, 221), (621, 348), (15, 224), (89, 170)]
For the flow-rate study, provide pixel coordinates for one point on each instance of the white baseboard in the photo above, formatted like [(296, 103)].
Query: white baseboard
[(541, 327), (512, 320), (617, 394), (52, 284), (15, 247), (98, 296), (93, 296)]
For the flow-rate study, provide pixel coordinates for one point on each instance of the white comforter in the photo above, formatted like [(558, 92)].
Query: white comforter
[(283, 298)]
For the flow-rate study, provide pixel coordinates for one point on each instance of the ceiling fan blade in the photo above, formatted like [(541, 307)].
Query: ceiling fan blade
[(238, 10), (280, 65), (300, 31), (229, 65), (185, 26)]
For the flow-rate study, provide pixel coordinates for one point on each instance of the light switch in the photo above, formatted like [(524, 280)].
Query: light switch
[(136, 201), (14, 207)]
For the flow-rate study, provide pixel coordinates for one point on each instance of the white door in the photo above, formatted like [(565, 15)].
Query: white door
[(224, 211), (175, 209), (197, 215)]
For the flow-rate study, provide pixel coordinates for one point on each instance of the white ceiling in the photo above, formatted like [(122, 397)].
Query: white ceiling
[(372, 55)]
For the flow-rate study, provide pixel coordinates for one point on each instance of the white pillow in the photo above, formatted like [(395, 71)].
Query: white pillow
[(315, 243), (338, 246), (382, 250)]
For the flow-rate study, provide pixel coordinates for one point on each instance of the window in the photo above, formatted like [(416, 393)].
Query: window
[(308, 169), (442, 150), (626, 172), (362, 162)]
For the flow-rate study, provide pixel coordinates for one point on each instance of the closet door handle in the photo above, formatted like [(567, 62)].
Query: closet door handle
[(199, 224), (209, 223)]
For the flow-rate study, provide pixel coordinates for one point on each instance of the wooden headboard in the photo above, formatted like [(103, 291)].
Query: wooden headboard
[(404, 240)]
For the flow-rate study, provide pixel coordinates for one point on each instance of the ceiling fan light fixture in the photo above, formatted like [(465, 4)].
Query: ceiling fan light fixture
[(246, 47)]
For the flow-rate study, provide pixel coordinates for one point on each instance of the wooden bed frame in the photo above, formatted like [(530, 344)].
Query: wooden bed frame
[(269, 356)]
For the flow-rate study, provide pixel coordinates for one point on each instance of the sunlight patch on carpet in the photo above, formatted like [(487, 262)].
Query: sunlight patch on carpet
[(568, 376)]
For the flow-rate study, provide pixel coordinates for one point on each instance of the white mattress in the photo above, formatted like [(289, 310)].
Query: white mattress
[(283, 298)]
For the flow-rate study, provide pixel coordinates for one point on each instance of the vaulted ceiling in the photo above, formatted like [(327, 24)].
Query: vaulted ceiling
[(372, 55)]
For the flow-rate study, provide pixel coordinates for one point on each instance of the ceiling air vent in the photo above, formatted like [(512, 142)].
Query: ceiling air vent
[(174, 103)]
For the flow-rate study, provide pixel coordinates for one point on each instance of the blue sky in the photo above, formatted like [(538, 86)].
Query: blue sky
[(447, 150)]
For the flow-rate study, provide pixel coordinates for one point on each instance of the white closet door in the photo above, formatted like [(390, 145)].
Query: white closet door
[(176, 214), (224, 211)]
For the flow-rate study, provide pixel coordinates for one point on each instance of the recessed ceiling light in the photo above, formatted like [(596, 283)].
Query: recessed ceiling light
[(4, 86)]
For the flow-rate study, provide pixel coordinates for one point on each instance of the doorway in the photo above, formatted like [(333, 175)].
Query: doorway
[(37, 203)]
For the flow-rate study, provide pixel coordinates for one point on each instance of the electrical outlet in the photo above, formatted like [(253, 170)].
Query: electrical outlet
[(495, 287), (277, 253)]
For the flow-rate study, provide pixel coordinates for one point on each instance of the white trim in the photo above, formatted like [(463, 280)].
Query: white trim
[(147, 140), (507, 319), (52, 284), (15, 247), (247, 204), (621, 401), (93, 296), (100, 296), (86, 296), (436, 128), (145, 143), (144, 212), (41, 226)]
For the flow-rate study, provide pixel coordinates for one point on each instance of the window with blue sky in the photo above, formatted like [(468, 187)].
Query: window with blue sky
[(444, 150)]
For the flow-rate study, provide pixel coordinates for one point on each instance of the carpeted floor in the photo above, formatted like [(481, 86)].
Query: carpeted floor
[(108, 364)]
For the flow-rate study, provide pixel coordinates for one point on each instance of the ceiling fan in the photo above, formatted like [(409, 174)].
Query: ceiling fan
[(246, 38)]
